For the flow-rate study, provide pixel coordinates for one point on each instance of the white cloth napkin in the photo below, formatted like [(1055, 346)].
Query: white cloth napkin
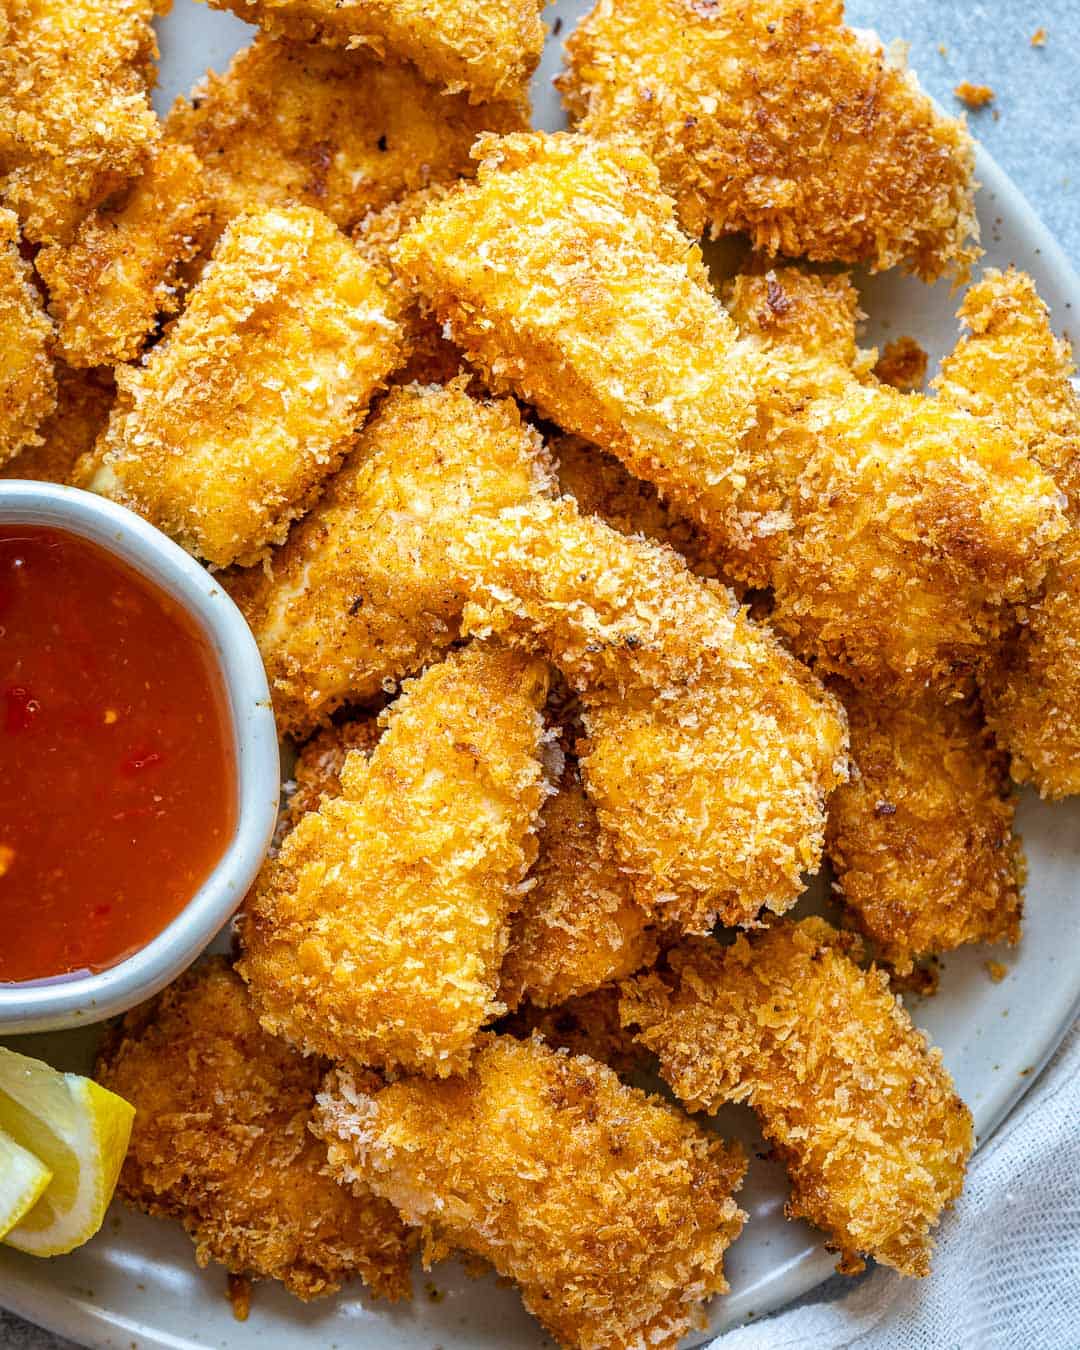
[(1007, 1262)]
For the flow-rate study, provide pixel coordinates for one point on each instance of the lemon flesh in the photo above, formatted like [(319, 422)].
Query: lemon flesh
[(80, 1131), (23, 1179)]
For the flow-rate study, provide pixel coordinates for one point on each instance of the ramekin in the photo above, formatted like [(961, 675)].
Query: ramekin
[(69, 1001)]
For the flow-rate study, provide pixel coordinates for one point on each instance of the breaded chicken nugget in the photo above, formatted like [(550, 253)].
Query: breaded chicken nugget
[(289, 124), (221, 1142), (863, 1114), (431, 358), (587, 1024), (83, 400), (228, 430), (27, 382), (487, 49), (920, 839), (775, 120), (562, 274), (378, 931), (710, 750), (610, 1209), (108, 286), (361, 592), (603, 487), (75, 116), (318, 768), (893, 529), (579, 926), (1012, 368)]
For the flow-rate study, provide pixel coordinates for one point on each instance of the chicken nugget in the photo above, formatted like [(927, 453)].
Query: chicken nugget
[(775, 120), (121, 271), (893, 529), (610, 1209), (289, 124), (83, 400), (861, 1111), (603, 487), (318, 768), (361, 592), (710, 750), (221, 1142), (229, 428), (920, 839), (378, 931), (75, 116), (579, 926), (27, 381), (562, 275), (1011, 367), (587, 1024), (487, 49)]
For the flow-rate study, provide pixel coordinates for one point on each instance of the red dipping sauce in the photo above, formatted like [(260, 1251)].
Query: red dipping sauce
[(117, 777)]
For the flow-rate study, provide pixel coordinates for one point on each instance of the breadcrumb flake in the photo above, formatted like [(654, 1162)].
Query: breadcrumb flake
[(27, 382)]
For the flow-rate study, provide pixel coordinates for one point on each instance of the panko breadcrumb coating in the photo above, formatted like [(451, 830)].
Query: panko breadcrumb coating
[(862, 1113), (903, 365), (1012, 367), (221, 1142), (27, 382), (610, 1209), (361, 593), (893, 529), (317, 772), (229, 428), (579, 927), (920, 839), (775, 120), (108, 286), (602, 487), (75, 116), (710, 750), (487, 49), (430, 357), (289, 124), (562, 274), (378, 931), (83, 400), (587, 1024)]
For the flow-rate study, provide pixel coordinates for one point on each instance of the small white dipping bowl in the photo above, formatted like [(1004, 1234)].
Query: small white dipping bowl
[(75, 1000)]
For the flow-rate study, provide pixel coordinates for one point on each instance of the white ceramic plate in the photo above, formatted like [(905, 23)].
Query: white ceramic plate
[(136, 1283)]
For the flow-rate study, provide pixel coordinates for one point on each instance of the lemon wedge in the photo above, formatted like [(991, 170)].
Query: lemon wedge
[(23, 1178), (80, 1132)]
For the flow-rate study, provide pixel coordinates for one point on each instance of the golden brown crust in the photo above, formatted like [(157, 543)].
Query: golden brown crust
[(230, 427), (710, 751), (221, 1142), (378, 931), (920, 839), (486, 49), (317, 772), (864, 1115), (610, 1209), (121, 270), (776, 120), (361, 593), (27, 381), (1012, 367), (83, 400), (290, 124), (587, 1024), (561, 273), (75, 116), (579, 926), (903, 365)]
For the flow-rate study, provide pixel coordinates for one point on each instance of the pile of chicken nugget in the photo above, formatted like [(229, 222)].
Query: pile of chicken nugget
[(605, 600)]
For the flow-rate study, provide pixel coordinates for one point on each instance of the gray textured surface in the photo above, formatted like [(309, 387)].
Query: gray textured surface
[(1035, 137)]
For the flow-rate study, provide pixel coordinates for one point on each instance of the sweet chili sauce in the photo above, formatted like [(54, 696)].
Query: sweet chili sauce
[(117, 780)]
